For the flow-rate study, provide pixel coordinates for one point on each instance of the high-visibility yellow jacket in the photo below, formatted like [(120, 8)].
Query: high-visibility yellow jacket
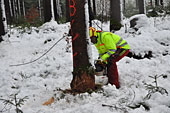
[(107, 44)]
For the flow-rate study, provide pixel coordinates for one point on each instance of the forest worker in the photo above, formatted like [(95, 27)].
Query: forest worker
[(111, 48)]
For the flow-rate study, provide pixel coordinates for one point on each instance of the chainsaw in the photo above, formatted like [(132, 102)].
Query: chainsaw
[(100, 72), (100, 68)]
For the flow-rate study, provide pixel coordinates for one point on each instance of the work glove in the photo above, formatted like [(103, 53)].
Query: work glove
[(99, 65), (101, 61)]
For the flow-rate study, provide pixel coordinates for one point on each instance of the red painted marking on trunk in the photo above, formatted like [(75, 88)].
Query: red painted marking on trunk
[(75, 36), (72, 7), (75, 54)]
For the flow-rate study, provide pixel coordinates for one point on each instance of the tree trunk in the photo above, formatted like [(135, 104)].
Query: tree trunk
[(60, 9), (19, 7), (8, 12), (124, 6), (94, 7), (162, 2), (10, 7), (47, 10), (151, 3), (55, 11), (91, 16), (137, 4), (13, 9), (141, 7), (23, 4), (52, 10), (39, 9), (4, 15), (67, 11), (2, 29), (156, 2), (83, 78), (115, 17)]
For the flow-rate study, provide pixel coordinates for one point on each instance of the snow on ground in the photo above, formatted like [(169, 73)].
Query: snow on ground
[(42, 79)]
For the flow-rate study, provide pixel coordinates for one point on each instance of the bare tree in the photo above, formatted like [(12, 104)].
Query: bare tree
[(115, 17), (83, 78)]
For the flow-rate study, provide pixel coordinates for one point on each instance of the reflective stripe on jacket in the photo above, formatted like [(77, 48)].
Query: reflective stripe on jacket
[(107, 44)]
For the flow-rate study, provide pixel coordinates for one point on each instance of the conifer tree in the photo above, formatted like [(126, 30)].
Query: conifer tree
[(83, 77)]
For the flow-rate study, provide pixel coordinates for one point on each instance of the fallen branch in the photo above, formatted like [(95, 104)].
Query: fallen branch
[(124, 109)]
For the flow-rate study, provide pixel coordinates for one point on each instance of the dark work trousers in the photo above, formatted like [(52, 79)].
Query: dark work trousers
[(112, 71)]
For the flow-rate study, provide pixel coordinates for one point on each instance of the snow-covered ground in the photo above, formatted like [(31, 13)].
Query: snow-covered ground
[(42, 79)]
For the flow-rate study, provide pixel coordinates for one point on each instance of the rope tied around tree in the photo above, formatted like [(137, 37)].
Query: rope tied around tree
[(64, 35)]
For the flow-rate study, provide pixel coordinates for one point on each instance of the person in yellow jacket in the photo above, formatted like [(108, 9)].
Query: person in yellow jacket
[(111, 48)]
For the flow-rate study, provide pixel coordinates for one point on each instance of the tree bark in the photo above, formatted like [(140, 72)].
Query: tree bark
[(83, 78), (22, 8), (137, 4), (23, 4), (2, 29), (8, 12), (19, 7), (13, 9), (39, 8), (124, 5), (47, 10), (91, 16), (151, 3), (162, 2), (156, 2), (55, 11), (115, 17), (94, 7), (141, 7), (67, 11)]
